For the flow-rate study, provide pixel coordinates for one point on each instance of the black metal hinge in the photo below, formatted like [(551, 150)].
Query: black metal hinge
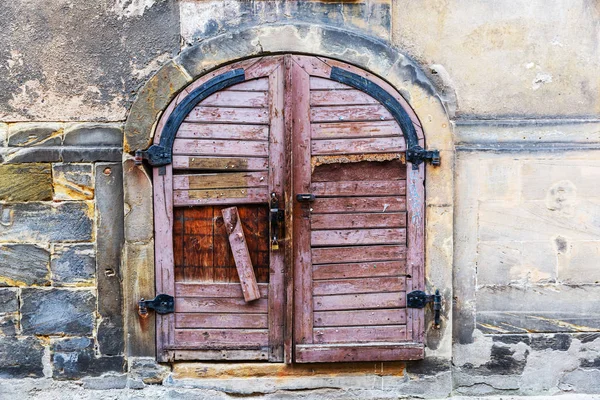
[(419, 299), (417, 155), (162, 304), (157, 156)]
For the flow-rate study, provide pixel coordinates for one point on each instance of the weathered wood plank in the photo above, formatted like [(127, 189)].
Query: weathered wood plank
[(220, 305), (220, 147), (260, 84), (241, 254), (359, 285), (359, 301), (331, 255), (358, 204), (349, 237), (238, 98), (189, 130), (359, 270), (358, 188), (220, 163), (359, 171), (360, 334), (358, 220), (212, 320), (237, 355), (356, 352), (350, 113), (229, 115), (222, 338), (222, 290), (340, 97), (225, 180), (353, 130), (317, 83), (360, 317), (221, 196), (358, 146)]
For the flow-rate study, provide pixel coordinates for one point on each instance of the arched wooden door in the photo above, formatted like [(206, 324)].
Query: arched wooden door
[(322, 163)]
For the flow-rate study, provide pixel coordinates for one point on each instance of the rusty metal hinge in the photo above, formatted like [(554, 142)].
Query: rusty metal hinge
[(162, 304), (419, 299), (417, 155)]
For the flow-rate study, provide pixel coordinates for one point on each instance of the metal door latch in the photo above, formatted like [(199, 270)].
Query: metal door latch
[(419, 299), (305, 197), (277, 219), (162, 304)]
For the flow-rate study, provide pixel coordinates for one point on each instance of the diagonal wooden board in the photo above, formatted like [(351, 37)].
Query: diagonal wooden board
[(241, 255)]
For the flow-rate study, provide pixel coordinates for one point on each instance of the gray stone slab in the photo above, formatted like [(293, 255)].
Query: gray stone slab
[(35, 134), (75, 358), (73, 264), (57, 312), (110, 238), (94, 135), (90, 154), (8, 301), (43, 222), (24, 264), (21, 358), (73, 181)]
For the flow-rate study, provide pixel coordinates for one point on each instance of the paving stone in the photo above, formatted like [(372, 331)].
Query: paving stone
[(73, 264), (35, 134), (24, 265), (94, 135), (43, 222), (75, 358), (57, 312), (21, 358), (73, 181), (32, 182)]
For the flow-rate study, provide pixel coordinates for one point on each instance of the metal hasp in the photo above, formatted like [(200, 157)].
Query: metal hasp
[(305, 197), (419, 299), (277, 219), (162, 304), (416, 155)]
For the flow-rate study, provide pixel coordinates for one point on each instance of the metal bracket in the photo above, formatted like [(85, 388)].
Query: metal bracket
[(416, 155), (305, 197), (419, 299), (156, 155), (162, 304)]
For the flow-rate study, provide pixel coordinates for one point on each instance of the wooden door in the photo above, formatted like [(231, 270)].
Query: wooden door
[(325, 142)]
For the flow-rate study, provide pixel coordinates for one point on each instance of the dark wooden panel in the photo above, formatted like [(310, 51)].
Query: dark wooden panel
[(229, 115), (359, 171), (359, 270), (189, 130), (355, 352), (220, 147), (219, 305), (360, 334), (339, 98), (221, 196), (213, 320), (359, 285), (331, 255), (358, 220), (360, 317), (230, 98), (358, 146), (358, 204), (220, 163), (222, 338), (353, 130), (359, 301), (225, 180), (358, 188), (349, 237), (350, 113), (197, 243)]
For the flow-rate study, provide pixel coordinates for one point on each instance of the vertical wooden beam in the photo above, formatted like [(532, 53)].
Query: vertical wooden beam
[(241, 255)]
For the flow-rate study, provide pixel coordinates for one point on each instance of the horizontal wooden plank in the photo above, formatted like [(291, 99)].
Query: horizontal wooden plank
[(353, 130), (214, 320), (220, 163), (331, 255), (351, 237), (360, 171), (357, 146), (350, 113), (358, 188), (358, 270), (342, 97), (317, 83), (358, 220), (360, 317), (312, 353), (235, 355), (359, 301), (359, 285), (221, 338), (189, 130), (219, 305), (260, 84), (360, 334), (358, 204), (220, 147), (225, 180), (238, 98), (221, 196), (229, 115), (227, 290)]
